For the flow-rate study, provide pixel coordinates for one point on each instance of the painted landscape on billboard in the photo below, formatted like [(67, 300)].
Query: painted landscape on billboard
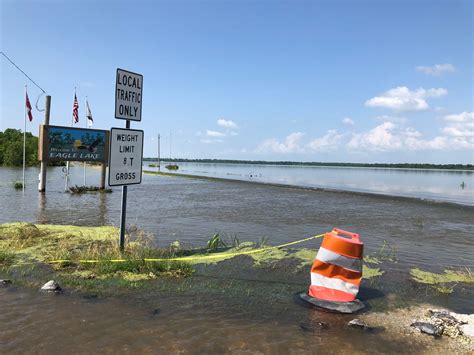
[(76, 144)]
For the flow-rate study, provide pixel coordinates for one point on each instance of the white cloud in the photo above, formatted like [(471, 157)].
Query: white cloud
[(394, 119), (330, 141), (291, 144), (211, 141), (403, 99), (210, 133), (389, 136), (460, 125), (349, 121), (227, 123), (437, 69), (461, 117)]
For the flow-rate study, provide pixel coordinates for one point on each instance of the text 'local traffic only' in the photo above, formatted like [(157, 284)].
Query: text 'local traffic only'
[(128, 95)]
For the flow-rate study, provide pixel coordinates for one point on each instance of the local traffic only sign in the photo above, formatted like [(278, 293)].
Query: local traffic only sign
[(128, 95), (126, 145), (125, 159)]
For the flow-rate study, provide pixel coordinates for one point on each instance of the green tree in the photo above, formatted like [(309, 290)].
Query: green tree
[(11, 148)]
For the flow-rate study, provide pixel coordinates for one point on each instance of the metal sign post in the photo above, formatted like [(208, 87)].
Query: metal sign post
[(126, 145)]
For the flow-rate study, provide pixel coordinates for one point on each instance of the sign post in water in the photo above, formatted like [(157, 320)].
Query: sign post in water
[(126, 145)]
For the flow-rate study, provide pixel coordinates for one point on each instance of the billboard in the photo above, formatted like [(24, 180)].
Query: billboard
[(73, 144)]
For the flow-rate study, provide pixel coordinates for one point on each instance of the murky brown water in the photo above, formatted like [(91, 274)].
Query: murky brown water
[(232, 308)]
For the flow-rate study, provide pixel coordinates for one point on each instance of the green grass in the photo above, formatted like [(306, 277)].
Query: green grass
[(43, 243), (6, 258)]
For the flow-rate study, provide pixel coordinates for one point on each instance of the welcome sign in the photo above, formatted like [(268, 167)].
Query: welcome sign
[(73, 144)]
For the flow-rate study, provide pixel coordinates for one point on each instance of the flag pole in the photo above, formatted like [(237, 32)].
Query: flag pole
[(24, 140), (66, 184), (85, 122)]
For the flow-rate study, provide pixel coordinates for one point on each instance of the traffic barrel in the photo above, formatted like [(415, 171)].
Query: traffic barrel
[(336, 272)]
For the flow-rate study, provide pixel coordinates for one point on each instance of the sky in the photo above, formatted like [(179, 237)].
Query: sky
[(328, 81)]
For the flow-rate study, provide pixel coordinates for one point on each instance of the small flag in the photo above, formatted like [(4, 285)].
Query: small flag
[(90, 120), (75, 110), (28, 108)]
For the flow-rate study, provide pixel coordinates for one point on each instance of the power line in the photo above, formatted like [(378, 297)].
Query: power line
[(16, 66)]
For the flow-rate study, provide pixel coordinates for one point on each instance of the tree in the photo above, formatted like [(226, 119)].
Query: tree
[(11, 148)]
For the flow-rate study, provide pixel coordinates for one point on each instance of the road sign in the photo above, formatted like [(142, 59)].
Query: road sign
[(128, 95), (125, 156)]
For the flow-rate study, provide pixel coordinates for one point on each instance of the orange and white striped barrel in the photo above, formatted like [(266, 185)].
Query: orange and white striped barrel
[(337, 270)]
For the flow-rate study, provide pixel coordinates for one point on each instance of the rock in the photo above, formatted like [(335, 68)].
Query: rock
[(468, 330), (51, 286), (357, 323), (443, 316), (428, 328), (313, 326), (5, 281)]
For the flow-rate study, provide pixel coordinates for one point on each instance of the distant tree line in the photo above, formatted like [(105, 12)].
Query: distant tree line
[(356, 165), (11, 148)]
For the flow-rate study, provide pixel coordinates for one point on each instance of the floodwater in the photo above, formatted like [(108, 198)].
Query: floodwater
[(436, 185), (231, 307)]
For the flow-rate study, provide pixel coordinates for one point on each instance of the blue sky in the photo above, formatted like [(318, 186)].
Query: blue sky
[(351, 81)]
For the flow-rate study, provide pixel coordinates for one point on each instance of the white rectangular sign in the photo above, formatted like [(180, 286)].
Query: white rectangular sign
[(128, 95), (125, 156)]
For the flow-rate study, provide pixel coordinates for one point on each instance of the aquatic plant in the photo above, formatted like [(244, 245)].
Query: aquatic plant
[(172, 167), (463, 275), (18, 185), (445, 282), (83, 189), (215, 242), (153, 165)]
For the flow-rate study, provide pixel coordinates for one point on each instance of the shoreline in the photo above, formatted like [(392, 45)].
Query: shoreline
[(392, 312), (311, 165), (319, 189)]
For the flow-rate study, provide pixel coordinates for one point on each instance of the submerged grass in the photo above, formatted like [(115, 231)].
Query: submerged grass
[(18, 185), (43, 243), (445, 282), (84, 189)]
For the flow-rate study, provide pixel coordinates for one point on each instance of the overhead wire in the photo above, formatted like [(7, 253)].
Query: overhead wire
[(29, 78)]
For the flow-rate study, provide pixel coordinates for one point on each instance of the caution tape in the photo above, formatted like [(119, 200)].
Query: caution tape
[(194, 257)]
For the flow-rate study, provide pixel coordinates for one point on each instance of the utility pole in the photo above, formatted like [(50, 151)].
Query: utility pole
[(44, 163), (159, 152)]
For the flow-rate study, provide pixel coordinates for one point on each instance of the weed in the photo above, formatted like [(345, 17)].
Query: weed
[(83, 189), (18, 185), (215, 242)]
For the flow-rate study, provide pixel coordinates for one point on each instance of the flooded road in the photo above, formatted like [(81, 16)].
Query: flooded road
[(35, 322), (428, 184), (231, 307)]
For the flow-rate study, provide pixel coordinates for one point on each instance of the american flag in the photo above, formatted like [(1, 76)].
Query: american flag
[(28, 108), (75, 110)]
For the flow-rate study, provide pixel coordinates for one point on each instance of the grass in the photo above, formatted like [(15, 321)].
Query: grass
[(6, 258), (43, 243), (18, 185)]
